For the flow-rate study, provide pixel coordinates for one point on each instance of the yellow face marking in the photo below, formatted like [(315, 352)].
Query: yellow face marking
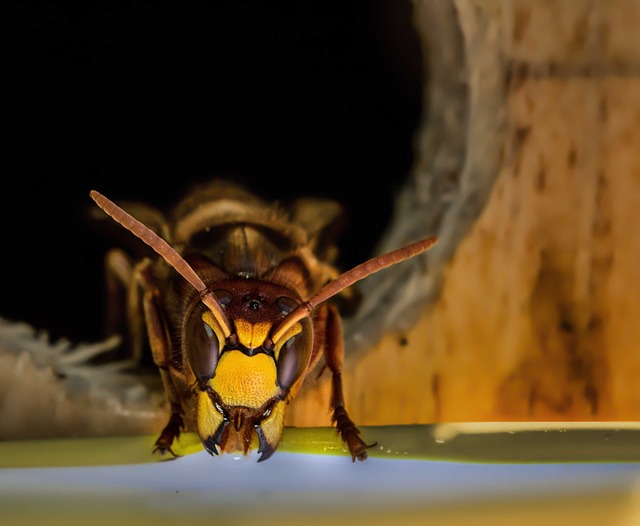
[(209, 418), (293, 330), (252, 335), (245, 380), (210, 320), (272, 426)]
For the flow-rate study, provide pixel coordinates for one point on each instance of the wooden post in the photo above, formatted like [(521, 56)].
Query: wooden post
[(528, 167)]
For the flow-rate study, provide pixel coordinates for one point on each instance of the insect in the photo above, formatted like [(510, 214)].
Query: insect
[(235, 311)]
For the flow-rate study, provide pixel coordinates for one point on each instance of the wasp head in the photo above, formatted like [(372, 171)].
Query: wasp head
[(245, 380)]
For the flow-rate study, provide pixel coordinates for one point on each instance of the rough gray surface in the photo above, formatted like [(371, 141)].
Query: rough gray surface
[(51, 389), (458, 148)]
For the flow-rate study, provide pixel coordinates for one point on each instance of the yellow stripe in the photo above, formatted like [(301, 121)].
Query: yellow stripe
[(250, 335)]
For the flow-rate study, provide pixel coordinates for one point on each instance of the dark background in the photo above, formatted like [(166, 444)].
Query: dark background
[(139, 99)]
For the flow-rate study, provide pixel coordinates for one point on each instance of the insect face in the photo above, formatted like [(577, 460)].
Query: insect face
[(243, 381), (238, 326)]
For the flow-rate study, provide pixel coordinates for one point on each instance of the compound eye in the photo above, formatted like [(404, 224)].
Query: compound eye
[(204, 355), (223, 296), (288, 365), (202, 347), (294, 357), (286, 305)]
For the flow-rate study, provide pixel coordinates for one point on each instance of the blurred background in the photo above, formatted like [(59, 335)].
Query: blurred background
[(140, 99), (509, 129)]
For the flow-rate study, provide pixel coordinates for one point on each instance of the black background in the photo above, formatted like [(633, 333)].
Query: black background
[(139, 99)]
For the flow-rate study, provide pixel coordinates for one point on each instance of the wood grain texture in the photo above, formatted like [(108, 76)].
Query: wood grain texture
[(535, 316)]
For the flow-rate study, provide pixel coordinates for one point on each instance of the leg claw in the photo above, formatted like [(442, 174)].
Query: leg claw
[(350, 434), (170, 433)]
